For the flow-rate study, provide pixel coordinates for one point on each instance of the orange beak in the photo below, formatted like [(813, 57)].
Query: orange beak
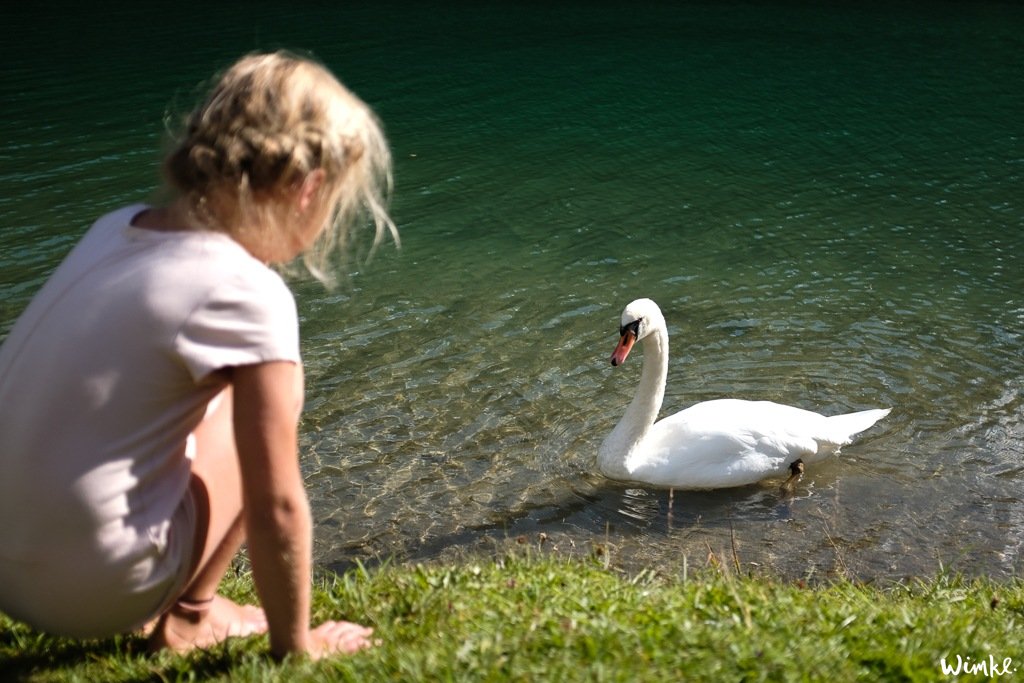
[(622, 350)]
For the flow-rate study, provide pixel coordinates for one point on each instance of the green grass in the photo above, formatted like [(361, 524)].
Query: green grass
[(538, 617)]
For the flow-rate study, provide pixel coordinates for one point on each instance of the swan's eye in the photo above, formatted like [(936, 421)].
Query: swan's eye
[(633, 327)]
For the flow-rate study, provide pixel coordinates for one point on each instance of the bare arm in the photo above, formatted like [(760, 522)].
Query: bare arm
[(275, 507), (268, 398)]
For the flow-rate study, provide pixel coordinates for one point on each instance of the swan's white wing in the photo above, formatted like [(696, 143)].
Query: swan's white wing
[(724, 443)]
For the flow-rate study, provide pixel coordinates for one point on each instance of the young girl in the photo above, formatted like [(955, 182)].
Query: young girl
[(150, 393)]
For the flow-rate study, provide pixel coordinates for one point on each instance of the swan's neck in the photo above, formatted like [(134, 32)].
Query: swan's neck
[(643, 409)]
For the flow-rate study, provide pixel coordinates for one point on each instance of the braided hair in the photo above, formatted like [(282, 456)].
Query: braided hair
[(269, 121)]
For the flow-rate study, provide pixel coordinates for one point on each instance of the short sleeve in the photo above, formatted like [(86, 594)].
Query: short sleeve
[(245, 320)]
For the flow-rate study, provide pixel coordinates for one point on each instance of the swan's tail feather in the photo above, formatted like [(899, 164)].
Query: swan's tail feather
[(843, 428)]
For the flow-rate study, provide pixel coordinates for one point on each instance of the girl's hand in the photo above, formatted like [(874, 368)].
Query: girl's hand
[(338, 637)]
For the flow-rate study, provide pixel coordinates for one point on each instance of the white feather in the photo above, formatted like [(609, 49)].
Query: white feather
[(714, 444)]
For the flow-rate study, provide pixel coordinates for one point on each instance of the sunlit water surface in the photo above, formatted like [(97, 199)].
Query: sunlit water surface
[(825, 201)]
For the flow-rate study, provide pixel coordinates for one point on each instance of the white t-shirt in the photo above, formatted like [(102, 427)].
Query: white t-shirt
[(102, 379)]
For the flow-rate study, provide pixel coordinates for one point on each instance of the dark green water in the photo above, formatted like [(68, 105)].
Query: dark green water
[(826, 200)]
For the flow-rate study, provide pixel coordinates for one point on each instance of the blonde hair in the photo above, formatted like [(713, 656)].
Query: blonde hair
[(267, 123)]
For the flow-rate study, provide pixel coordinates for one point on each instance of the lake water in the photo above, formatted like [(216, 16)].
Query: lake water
[(827, 201)]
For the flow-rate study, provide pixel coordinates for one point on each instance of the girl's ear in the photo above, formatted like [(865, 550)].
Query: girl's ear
[(308, 190)]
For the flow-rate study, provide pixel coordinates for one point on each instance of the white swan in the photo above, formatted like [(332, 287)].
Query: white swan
[(714, 444)]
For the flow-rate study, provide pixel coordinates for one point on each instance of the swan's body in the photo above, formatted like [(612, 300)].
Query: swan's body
[(714, 444)]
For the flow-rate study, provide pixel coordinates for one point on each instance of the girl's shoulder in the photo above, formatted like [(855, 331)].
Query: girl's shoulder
[(177, 270)]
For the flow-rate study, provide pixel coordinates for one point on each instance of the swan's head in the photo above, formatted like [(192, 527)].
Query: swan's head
[(639, 319)]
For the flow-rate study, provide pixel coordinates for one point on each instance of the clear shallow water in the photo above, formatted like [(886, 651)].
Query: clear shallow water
[(826, 203)]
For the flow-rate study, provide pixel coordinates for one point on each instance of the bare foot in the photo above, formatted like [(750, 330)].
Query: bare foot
[(146, 630), (190, 625)]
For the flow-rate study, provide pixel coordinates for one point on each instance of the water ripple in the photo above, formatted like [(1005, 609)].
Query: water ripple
[(834, 229)]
